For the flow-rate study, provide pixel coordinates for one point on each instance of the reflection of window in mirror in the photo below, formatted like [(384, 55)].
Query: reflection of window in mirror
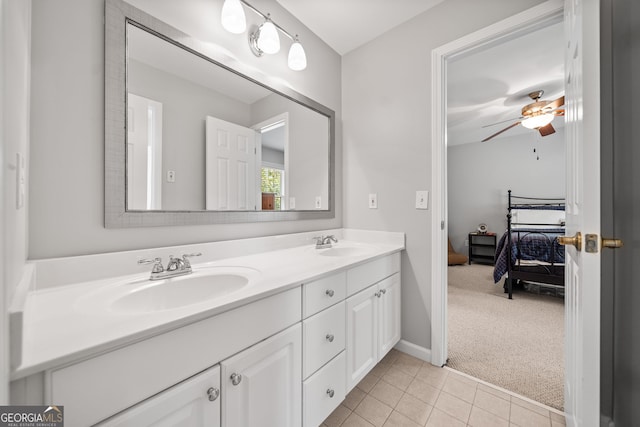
[(274, 160)]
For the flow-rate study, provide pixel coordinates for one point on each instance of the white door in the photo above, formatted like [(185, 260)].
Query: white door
[(192, 403), (389, 314), (262, 386), (144, 153), (230, 166), (582, 275), (362, 334)]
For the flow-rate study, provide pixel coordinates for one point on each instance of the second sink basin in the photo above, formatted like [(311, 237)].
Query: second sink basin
[(346, 250), (180, 291)]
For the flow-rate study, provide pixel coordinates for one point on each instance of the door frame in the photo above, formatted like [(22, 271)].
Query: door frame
[(544, 14)]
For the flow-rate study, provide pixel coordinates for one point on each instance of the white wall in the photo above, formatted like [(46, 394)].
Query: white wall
[(480, 174), (15, 29), (67, 122), (387, 129)]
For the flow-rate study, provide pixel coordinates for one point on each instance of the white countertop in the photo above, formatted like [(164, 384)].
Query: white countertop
[(63, 324)]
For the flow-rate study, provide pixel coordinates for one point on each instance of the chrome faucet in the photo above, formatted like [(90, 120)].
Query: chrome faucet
[(324, 242), (175, 267)]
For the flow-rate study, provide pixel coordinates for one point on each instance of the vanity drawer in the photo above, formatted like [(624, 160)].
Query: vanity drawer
[(317, 396), (323, 293), (323, 337), (365, 275)]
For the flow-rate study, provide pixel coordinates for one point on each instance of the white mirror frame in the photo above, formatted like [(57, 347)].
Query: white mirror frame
[(117, 15)]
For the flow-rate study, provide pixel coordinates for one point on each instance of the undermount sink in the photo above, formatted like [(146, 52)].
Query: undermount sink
[(345, 251), (200, 286)]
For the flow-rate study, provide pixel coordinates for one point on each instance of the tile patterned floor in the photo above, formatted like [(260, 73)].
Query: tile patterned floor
[(402, 391)]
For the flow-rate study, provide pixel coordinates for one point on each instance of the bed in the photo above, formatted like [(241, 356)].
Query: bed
[(529, 250)]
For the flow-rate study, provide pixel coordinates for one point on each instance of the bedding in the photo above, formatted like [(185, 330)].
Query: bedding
[(528, 244)]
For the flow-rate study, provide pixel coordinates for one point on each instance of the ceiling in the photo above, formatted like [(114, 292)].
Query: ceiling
[(499, 85), (347, 24), (502, 76)]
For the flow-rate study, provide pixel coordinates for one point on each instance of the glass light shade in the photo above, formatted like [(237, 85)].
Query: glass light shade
[(536, 122), (268, 40), (233, 19), (297, 57)]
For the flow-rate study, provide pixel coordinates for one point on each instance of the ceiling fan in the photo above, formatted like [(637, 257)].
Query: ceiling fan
[(537, 115)]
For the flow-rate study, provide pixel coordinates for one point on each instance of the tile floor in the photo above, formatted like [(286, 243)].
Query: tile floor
[(404, 391)]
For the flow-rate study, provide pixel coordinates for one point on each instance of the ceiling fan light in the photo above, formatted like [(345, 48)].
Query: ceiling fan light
[(538, 121), (268, 39), (297, 58), (233, 18)]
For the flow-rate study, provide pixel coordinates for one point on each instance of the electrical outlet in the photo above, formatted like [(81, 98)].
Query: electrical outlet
[(373, 201), (171, 176), (292, 202), (318, 202), (466, 242)]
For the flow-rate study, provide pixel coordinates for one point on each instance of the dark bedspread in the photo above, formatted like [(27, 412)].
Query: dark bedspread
[(530, 245)]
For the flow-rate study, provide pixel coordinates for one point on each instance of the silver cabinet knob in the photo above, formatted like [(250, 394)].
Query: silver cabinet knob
[(329, 337), (213, 393), (330, 392), (384, 291), (378, 294), (236, 379), (329, 292)]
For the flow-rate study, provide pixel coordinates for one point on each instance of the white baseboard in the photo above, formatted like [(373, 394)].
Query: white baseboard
[(414, 350)]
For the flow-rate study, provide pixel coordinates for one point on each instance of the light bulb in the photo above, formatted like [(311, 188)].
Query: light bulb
[(268, 40), (233, 19), (297, 57), (536, 122)]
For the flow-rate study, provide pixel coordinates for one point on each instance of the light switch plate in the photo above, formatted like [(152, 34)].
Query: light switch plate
[(292, 202), (318, 202), (171, 176), (422, 199), (373, 201)]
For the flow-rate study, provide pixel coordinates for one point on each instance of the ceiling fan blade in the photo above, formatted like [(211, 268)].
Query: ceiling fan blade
[(546, 130), (555, 104), (498, 133), (503, 121)]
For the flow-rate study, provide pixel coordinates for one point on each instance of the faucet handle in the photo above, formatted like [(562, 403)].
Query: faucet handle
[(318, 239), (185, 258), (157, 264)]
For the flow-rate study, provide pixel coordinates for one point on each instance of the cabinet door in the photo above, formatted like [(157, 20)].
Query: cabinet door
[(262, 386), (389, 314), (192, 403), (362, 334)]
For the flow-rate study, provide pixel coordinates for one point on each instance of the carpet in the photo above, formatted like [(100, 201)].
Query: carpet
[(515, 344)]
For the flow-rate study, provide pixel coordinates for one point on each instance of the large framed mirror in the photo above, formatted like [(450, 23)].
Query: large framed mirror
[(190, 140)]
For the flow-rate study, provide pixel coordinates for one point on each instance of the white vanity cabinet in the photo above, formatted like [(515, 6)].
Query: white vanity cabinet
[(373, 327), (324, 342), (262, 386), (192, 403)]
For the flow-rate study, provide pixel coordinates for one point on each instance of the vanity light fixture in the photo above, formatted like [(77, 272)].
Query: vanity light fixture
[(535, 122), (233, 19), (265, 39)]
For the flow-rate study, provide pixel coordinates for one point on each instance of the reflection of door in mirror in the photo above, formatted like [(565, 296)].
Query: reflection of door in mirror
[(144, 153), (274, 134), (231, 159)]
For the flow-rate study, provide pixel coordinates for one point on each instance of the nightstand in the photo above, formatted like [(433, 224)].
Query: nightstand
[(482, 247)]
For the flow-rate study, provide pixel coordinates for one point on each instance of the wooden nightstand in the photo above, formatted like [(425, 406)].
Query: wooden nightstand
[(482, 247)]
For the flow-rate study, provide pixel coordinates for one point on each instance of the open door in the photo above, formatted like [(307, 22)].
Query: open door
[(583, 241), (230, 167)]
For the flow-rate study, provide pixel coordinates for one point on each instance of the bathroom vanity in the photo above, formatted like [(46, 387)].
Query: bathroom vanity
[(282, 348)]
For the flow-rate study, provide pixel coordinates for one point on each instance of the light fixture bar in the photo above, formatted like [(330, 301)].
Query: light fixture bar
[(265, 17)]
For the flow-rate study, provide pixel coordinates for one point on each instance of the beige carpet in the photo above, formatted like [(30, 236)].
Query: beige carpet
[(515, 344)]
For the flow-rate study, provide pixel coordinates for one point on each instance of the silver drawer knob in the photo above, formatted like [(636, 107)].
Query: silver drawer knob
[(384, 291), (329, 292), (213, 393), (330, 392), (378, 294), (236, 379), (329, 337)]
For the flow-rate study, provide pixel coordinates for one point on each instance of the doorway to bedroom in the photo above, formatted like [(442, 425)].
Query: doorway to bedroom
[(515, 344)]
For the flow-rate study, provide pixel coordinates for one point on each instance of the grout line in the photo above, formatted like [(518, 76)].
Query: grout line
[(504, 390)]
